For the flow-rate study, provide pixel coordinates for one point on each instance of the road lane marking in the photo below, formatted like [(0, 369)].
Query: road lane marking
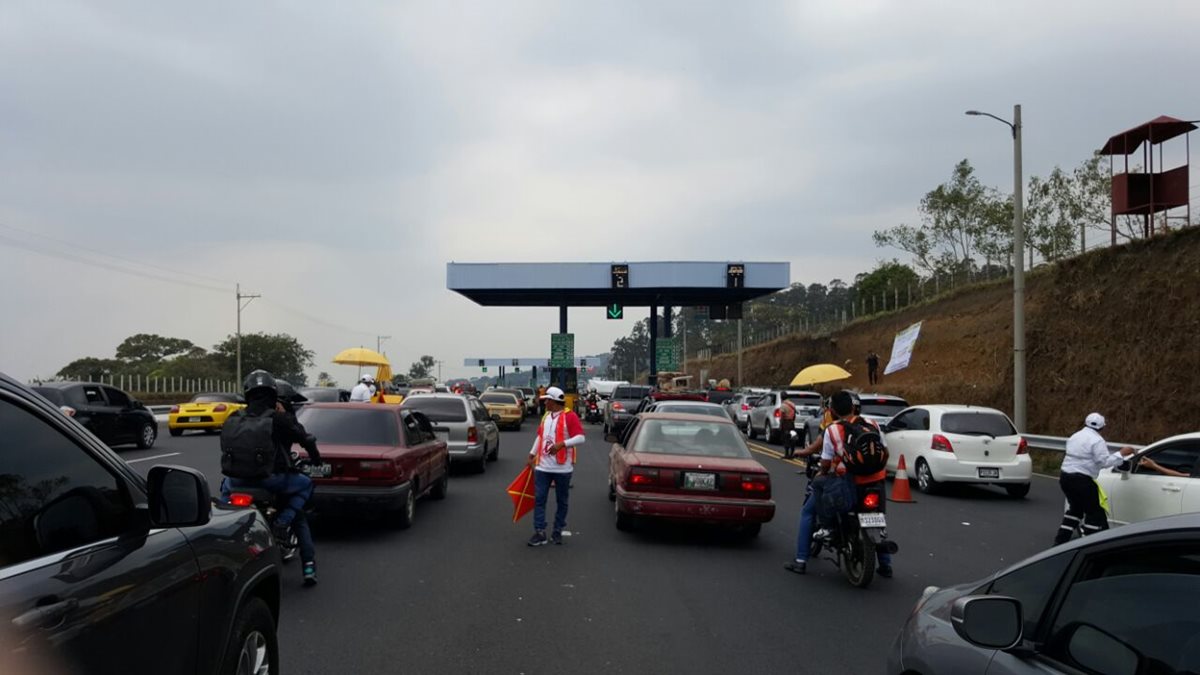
[(754, 447), (147, 459)]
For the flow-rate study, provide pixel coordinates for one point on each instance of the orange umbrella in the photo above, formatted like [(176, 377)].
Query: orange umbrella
[(521, 492)]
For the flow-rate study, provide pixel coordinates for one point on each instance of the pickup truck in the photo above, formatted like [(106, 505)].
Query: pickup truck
[(104, 571), (622, 406)]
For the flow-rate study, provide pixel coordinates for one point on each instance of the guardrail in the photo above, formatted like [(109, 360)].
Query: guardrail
[(1059, 444)]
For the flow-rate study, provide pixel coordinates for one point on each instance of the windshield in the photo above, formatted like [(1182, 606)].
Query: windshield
[(704, 439), (692, 410), (631, 392), (501, 399), (883, 408), (439, 409), (351, 426), (321, 394), (978, 424), (216, 398), (55, 396)]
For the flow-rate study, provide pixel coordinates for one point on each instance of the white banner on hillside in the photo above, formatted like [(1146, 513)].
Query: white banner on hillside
[(902, 348)]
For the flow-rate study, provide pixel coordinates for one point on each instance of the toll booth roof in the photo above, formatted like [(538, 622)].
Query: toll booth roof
[(595, 284)]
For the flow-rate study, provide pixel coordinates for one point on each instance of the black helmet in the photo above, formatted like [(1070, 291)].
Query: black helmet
[(288, 393), (259, 379)]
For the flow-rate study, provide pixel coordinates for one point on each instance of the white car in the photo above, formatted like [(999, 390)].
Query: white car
[(959, 444), (1138, 493)]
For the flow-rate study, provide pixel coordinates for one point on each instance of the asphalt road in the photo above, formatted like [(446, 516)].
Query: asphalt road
[(461, 593)]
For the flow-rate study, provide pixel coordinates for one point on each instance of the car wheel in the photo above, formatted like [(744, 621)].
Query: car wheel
[(750, 430), (1017, 491), (481, 463), (767, 436), (442, 486), (624, 521), (495, 453), (176, 432), (147, 436), (403, 518), (925, 480), (253, 647)]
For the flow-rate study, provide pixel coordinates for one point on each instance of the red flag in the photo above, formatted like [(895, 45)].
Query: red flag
[(521, 492)]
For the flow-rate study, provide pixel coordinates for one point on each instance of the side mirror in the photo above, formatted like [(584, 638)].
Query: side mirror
[(179, 497), (988, 621)]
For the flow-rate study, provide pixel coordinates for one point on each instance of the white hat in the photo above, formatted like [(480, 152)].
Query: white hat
[(1095, 421), (554, 394), (368, 378)]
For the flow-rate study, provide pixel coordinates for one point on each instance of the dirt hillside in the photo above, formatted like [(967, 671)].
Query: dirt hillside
[(1116, 330)]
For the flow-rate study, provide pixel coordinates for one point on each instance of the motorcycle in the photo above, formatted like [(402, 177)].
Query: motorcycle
[(856, 536), (270, 505), (593, 414)]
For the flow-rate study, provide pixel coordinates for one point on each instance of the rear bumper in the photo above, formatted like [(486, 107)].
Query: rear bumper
[(208, 422), (350, 497), (461, 452), (948, 468), (698, 509)]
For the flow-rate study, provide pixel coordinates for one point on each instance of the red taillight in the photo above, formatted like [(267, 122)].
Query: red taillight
[(778, 412), (942, 443), (241, 499), (871, 501), (756, 484), (220, 407), (174, 408), (472, 435), (641, 476), (376, 469), (745, 408), (617, 406), (1023, 447)]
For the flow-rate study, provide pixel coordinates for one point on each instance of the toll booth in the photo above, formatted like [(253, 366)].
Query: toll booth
[(566, 379)]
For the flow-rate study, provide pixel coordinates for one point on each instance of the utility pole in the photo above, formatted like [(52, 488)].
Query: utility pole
[(739, 351), (439, 365), (379, 342), (240, 307)]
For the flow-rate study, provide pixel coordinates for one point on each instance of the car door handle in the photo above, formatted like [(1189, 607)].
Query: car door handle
[(46, 616), (1172, 488)]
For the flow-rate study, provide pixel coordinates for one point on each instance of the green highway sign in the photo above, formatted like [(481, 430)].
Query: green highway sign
[(667, 354), (562, 350), (485, 369), (616, 312)]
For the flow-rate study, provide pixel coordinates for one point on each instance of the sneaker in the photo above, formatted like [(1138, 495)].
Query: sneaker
[(310, 574), (538, 539), (885, 571), (822, 534), (557, 538), (797, 566)]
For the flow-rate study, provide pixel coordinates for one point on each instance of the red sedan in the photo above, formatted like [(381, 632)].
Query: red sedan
[(688, 468), (378, 458)]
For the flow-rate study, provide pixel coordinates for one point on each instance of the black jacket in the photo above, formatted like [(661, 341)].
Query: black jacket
[(287, 432)]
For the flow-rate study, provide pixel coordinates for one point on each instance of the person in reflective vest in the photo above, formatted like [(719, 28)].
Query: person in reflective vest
[(553, 459)]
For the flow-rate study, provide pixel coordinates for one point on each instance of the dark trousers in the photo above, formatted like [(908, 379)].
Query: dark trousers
[(786, 426), (1083, 507), (541, 494), (873, 375)]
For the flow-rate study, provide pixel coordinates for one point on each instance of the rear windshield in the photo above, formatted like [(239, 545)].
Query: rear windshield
[(55, 396), (528, 391), (502, 399), (439, 409), (978, 424), (882, 408), (704, 439), (691, 410), (351, 426), (806, 399), (322, 395), (631, 392), (216, 398)]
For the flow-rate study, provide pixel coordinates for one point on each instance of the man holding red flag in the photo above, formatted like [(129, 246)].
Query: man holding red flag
[(553, 459)]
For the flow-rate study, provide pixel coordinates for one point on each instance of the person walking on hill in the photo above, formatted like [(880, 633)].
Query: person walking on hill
[(873, 367), (1086, 455)]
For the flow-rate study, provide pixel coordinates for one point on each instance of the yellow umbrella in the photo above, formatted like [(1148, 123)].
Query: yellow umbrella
[(359, 356), (818, 374), (383, 373)]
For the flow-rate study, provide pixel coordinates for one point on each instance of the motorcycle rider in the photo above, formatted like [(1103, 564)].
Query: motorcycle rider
[(843, 405), (262, 398)]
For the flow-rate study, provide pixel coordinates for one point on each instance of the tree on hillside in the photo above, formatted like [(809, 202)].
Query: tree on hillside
[(90, 369), (148, 348), (422, 367), (196, 364), (280, 354), (882, 281)]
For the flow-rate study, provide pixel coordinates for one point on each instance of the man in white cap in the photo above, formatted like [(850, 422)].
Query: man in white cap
[(1087, 454), (553, 459), (363, 391)]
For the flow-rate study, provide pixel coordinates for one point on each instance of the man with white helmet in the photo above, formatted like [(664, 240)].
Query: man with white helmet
[(363, 391), (1087, 453)]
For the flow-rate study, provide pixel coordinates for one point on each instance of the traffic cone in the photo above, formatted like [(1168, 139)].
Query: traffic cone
[(900, 489)]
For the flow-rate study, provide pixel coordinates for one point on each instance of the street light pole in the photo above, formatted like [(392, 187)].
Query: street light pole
[(1019, 417), (249, 299)]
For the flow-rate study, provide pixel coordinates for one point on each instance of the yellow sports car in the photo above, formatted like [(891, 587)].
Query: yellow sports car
[(504, 408), (204, 411)]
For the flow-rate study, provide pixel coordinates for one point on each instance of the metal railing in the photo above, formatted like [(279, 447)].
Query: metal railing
[(1059, 444)]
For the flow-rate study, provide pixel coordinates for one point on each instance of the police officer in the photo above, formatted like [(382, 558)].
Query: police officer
[(1087, 454)]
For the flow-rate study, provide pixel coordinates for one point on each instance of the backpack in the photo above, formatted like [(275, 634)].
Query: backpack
[(248, 445), (865, 453)]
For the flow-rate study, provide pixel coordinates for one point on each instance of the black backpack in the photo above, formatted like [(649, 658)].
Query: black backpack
[(865, 452), (248, 445)]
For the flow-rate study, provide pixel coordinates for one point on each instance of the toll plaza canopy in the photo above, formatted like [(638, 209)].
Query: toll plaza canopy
[(635, 284)]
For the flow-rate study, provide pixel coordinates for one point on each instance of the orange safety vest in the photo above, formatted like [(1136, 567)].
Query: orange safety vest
[(560, 435)]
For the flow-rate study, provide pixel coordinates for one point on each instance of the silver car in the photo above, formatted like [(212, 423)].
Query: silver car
[(1122, 602), (764, 416), (471, 434), (739, 407), (688, 408)]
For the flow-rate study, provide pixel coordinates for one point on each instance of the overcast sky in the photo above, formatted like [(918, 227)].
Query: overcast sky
[(335, 156)]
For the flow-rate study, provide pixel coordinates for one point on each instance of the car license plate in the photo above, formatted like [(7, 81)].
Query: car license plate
[(872, 520), (192, 419), (989, 473), (318, 470), (700, 481)]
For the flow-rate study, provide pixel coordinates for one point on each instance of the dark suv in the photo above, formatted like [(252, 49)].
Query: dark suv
[(114, 416), (103, 571)]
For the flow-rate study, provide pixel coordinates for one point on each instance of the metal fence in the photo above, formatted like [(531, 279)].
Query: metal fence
[(142, 384)]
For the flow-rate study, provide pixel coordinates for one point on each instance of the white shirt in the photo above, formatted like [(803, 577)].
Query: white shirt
[(360, 393), (835, 440), (1087, 453), (548, 462)]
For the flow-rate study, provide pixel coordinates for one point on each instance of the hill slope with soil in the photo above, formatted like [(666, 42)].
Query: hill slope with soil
[(1115, 330)]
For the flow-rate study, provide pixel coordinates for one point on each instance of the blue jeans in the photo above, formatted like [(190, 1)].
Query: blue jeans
[(299, 489), (541, 493), (808, 516)]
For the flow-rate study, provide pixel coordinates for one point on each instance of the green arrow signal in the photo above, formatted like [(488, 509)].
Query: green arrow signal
[(616, 311)]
